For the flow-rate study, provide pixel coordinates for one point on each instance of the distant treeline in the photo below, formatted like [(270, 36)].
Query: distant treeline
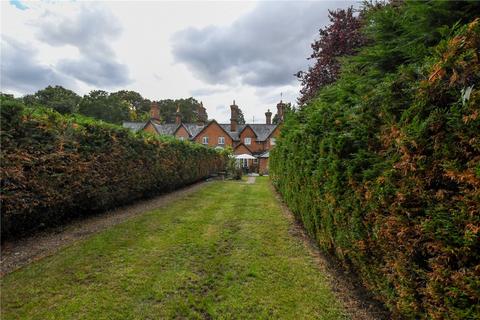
[(381, 164), (56, 167), (114, 107)]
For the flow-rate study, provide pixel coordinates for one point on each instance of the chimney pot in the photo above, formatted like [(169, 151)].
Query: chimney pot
[(280, 111), (268, 116)]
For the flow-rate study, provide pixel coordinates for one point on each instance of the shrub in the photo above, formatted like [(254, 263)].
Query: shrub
[(58, 167), (383, 168)]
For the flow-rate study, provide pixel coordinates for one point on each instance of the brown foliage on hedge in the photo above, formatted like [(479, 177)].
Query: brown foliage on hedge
[(383, 168), (58, 167)]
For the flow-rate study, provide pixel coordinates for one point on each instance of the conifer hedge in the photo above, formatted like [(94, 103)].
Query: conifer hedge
[(55, 167), (383, 167)]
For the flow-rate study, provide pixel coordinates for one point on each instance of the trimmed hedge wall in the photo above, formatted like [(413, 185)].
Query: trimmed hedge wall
[(57, 167), (383, 168)]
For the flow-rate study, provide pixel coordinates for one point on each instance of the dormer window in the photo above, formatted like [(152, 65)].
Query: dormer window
[(247, 141), (205, 140), (221, 140)]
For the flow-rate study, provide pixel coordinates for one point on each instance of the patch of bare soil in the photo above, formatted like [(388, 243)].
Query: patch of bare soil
[(20, 252), (357, 301)]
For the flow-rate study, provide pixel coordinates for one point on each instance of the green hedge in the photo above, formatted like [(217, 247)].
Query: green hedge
[(383, 168), (57, 167)]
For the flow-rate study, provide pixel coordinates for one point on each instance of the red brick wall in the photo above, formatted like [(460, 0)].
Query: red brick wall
[(248, 133), (213, 132), (150, 128), (181, 132), (241, 149)]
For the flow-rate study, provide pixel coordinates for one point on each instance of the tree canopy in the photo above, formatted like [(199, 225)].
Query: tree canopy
[(58, 98), (115, 107), (340, 38), (101, 105)]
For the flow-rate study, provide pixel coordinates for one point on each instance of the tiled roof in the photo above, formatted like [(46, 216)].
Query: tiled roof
[(192, 128), (166, 128), (134, 126), (233, 134), (262, 130)]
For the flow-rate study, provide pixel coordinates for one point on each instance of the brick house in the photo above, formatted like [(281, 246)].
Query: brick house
[(255, 139)]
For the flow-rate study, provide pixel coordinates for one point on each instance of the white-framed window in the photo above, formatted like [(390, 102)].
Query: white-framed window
[(247, 141), (205, 140), (182, 138), (273, 141), (221, 140)]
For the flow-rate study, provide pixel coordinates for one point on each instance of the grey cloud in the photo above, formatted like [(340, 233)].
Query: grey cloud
[(207, 91), (91, 32), (102, 73), (263, 48), (20, 71)]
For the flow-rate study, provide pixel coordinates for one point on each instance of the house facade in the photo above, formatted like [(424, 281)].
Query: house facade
[(255, 139)]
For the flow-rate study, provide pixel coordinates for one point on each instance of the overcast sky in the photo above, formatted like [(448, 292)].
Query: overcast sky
[(213, 51)]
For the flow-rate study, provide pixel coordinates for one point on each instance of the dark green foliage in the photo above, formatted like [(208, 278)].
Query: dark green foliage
[(58, 98), (188, 109), (383, 167), (134, 99), (104, 106), (240, 117), (58, 167), (115, 107)]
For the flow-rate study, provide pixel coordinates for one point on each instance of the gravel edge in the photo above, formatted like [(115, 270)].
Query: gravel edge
[(21, 252)]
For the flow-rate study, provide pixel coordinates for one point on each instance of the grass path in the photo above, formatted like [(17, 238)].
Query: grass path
[(223, 252)]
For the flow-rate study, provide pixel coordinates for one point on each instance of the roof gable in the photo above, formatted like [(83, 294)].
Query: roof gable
[(182, 126), (247, 126), (208, 125), (241, 145), (262, 130)]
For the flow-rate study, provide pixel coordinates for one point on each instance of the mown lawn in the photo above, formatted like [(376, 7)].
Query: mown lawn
[(223, 252)]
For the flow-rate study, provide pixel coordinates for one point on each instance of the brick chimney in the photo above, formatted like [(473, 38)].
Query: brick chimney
[(280, 111), (268, 116), (233, 117), (178, 115), (154, 111)]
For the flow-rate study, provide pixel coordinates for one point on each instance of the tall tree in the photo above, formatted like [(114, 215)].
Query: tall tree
[(188, 109), (342, 37), (101, 105), (241, 117), (58, 98), (135, 99)]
